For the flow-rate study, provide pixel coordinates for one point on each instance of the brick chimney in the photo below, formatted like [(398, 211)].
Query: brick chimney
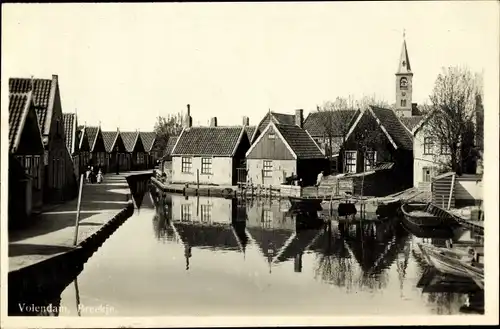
[(188, 121), (213, 122), (246, 121), (299, 118)]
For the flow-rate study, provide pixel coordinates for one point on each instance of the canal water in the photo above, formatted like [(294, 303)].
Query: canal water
[(182, 255)]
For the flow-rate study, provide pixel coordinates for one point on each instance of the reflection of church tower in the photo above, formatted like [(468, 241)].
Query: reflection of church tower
[(270, 255), (402, 264), (404, 84)]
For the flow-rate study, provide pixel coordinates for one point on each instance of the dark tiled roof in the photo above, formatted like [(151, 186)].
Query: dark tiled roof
[(109, 138), (282, 118), (394, 127), (41, 95), (169, 148), (148, 139), (79, 137), (129, 139), (69, 130), (316, 122), (298, 245), (216, 236), (18, 110), (300, 142), (270, 241), (170, 144), (91, 135), (250, 130), (211, 141), (411, 122)]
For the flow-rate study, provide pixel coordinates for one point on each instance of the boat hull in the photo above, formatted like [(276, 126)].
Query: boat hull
[(306, 203), (446, 263), (388, 209), (434, 217)]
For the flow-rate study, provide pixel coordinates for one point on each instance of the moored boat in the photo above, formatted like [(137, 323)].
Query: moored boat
[(309, 203), (388, 208), (459, 263), (426, 216)]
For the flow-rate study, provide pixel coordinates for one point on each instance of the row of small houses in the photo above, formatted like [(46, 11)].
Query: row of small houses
[(285, 146), (48, 150)]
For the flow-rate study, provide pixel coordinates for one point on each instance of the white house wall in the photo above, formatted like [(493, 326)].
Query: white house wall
[(421, 160), (281, 169), (222, 171)]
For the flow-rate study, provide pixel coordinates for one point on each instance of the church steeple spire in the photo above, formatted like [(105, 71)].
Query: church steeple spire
[(404, 82), (404, 66)]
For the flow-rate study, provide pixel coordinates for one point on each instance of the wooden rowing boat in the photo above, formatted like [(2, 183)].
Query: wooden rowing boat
[(388, 208), (454, 262), (426, 216)]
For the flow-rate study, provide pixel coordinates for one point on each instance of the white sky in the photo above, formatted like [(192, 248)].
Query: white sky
[(124, 64)]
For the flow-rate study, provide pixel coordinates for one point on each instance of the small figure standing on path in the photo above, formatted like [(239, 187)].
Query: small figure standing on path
[(87, 174), (318, 180), (100, 177)]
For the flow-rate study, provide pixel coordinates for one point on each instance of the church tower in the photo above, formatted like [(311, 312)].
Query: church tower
[(404, 83)]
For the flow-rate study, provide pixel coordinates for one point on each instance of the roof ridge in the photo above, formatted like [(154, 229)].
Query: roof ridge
[(218, 127), (38, 79)]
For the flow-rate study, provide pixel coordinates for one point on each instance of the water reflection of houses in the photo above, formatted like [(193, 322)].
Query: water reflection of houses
[(335, 264), (205, 222), (281, 235), (376, 246)]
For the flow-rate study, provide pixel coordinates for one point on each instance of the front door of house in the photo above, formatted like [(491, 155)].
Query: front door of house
[(426, 175)]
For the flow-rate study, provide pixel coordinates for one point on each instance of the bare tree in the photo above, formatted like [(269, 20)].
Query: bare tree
[(371, 100), (335, 120), (166, 127), (454, 110), (338, 117)]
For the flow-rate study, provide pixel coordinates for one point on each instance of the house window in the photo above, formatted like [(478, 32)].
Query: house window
[(187, 164), (206, 213), (186, 212), (267, 170), (445, 148), (403, 102), (36, 172), (206, 166), (334, 165), (370, 160), (28, 165), (350, 161), (272, 136), (428, 145), (267, 218)]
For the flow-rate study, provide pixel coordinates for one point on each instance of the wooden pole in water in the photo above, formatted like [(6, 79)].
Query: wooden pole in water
[(77, 223), (198, 179), (77, 294)]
